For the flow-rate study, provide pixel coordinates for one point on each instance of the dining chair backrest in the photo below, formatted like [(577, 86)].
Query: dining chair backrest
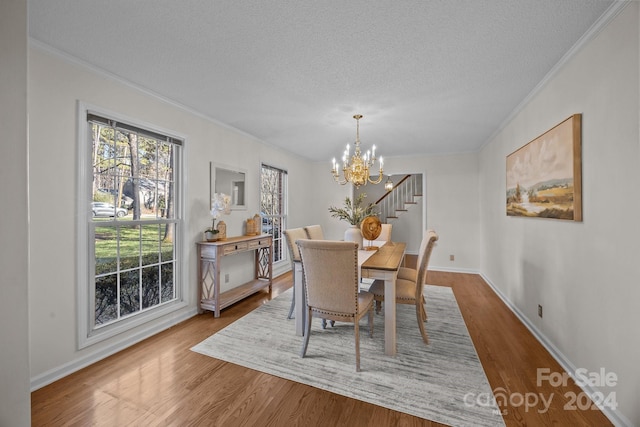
[(292, 235), (314, 232), (330, 270), (426, 247), (385, 233)]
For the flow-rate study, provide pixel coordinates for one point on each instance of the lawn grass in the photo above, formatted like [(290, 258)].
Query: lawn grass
[(134, 241)]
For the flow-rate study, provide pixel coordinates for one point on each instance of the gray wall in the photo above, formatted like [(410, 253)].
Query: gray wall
[(14, 306)]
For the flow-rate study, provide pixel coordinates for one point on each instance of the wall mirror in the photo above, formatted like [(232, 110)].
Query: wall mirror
[(231, 181)]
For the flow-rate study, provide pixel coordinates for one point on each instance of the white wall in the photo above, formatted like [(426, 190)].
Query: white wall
[(56, 84), (451, 197), (584, 274), (15, 408)]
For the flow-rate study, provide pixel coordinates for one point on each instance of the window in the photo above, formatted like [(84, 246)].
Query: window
[(132, 226), (273, 194)]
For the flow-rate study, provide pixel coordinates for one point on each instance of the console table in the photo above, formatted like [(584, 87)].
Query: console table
[(210, 255)]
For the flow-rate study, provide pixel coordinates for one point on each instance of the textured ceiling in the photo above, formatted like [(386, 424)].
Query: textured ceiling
[(429, 76)]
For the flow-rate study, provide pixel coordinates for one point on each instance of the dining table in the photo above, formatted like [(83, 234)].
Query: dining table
[(380, 264)]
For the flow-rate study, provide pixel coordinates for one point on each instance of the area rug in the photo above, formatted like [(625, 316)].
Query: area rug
[(443, 381)]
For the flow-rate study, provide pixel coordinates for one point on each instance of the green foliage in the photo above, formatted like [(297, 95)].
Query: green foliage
[(354, 212), (132, 297), (100, 196)]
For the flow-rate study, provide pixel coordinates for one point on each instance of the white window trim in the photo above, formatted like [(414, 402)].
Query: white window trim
[(85, 336), (284, 260)]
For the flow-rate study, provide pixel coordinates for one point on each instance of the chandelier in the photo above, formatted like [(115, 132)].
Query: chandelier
[(356, 169)]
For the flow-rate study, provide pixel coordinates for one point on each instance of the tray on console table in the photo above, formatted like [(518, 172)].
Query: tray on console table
[(210, 255)]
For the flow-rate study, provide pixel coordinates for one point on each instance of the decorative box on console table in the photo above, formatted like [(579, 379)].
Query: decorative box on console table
[(210, 256)]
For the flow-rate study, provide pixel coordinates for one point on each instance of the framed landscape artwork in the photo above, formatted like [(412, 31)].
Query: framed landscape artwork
[(544, 177)]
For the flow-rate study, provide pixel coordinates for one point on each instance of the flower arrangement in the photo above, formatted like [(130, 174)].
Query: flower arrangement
[(354, 212), (220, 204)]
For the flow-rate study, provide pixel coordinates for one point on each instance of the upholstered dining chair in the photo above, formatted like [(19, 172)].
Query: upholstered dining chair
[(292, 235), (409, 273), (331, 276), (411, 291), (314, 232), (385, 233)]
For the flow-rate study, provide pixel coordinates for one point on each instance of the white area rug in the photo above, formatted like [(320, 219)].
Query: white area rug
[(442, 381)]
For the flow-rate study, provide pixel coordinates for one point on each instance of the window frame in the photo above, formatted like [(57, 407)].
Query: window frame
[(87, 335), (284, 216)]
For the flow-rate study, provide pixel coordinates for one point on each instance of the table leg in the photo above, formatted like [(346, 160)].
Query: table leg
[(216, 286), (390, 346)]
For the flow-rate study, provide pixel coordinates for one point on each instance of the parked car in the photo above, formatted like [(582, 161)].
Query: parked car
[(101, 209), (125, 200)]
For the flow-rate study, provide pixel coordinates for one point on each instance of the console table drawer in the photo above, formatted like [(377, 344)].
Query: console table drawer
[(262, 243), (208, 252), (237, 247)]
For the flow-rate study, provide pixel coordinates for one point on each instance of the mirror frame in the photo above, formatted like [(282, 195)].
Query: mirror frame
[(238, 201)]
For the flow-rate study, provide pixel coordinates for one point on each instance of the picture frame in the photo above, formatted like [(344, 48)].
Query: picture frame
[(544, 177)]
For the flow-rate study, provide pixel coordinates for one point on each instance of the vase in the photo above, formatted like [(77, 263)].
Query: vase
[(222, 230), (210, 236), (353, 234)]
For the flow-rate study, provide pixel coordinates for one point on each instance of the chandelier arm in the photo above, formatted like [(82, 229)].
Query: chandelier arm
[(377, 181), (336, 177), (341, 182)]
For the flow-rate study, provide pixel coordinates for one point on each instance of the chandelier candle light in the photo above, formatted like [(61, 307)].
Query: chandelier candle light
[(356, 169)]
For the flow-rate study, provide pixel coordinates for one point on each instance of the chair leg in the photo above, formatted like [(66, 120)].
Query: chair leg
[(378, 306), (356, 328), (371, 322), (423, 332), (293, 304), (307, 332)]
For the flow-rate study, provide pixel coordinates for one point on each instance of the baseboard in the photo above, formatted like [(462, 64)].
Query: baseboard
[(614, 416), (454, 270), (280, 268), (151, 329)]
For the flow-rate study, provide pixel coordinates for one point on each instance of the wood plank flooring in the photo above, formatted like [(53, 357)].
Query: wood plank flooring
[(160, 382)]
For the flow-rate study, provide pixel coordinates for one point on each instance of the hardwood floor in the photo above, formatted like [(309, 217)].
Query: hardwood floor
[(161, 382)]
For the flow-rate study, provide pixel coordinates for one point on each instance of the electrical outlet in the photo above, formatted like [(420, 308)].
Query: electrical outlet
[(452, 258), (226, 278), (539, 310)]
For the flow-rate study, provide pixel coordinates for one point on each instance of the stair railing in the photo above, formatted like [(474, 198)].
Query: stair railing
[(394, 202)]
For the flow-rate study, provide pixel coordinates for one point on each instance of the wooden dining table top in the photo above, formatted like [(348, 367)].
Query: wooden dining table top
[(388, 257)]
